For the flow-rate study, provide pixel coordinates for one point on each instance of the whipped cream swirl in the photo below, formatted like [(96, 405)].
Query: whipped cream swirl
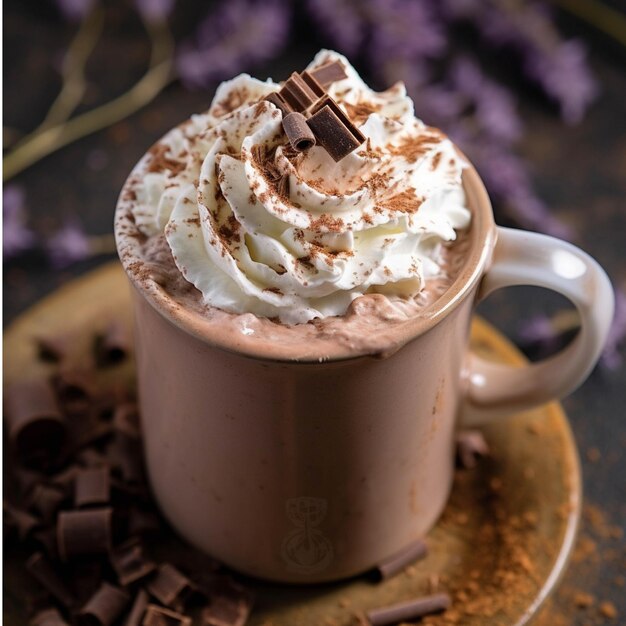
[(259, 228)]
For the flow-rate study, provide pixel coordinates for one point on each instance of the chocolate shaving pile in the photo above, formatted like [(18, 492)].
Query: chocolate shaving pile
[(310, 115)]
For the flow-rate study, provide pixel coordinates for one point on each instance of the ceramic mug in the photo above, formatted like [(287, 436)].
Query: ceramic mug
[(301, 471)]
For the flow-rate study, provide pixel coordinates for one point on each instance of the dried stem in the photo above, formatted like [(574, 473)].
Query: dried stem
[(158, 76)]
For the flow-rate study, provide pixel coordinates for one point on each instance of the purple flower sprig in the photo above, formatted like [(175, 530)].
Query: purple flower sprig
[(238, 35)]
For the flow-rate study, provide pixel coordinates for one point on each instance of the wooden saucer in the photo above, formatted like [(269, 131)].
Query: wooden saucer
[(499, 549)]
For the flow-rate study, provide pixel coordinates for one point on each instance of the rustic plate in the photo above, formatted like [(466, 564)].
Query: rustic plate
[(499, 549)]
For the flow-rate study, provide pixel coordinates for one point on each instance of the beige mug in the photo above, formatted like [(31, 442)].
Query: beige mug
[(301, 471)]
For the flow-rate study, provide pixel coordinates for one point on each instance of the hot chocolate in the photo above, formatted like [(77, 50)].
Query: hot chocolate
[(270, 246)]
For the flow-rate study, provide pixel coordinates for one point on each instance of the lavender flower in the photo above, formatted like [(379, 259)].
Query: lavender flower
[(155, 10), (239, 34), (68, 245), (75, 10), (342, 21), (16, 236)]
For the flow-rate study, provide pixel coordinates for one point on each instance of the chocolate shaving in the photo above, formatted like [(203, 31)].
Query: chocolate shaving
[(328, 73), (231, 605), (137, 611), (113, 346), (36, 428), (299, 134), (104, 607), (409, 611), (129, 562), (279, 102), (158, 616), (170, 587), (470, 446), (81, 533), (48, 617), (333, 130), (396, 563), (40, 568), (92, 487), (47, 501)]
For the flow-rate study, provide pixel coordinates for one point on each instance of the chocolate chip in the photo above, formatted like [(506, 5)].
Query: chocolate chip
[(81, 533), (104, 607), (333, 130), (329, 73), (36, 428), (92, 486), (298, 132)]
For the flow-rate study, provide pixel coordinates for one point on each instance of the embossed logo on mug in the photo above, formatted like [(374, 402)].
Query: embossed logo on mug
[(306, 549)]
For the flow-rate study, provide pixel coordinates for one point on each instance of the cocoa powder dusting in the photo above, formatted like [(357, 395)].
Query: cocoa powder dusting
[(160, 161)]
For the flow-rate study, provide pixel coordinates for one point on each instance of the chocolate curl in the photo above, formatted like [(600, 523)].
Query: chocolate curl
[(81, 533), (36, 427), (48, 617), (299, 93), (129, 562), (333, 130), (171, 587), (92, 487), (158, 616), (113, 346), (409, 611), (279, 102), (396, 563), (47, 501), (138, 609), (328, 73), (40, 568), (104, 607), (298, 132)]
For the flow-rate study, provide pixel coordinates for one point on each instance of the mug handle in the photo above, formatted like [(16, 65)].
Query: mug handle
[(520, 257)]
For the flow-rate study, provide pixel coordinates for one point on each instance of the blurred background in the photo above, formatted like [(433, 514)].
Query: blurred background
[(533, 91)]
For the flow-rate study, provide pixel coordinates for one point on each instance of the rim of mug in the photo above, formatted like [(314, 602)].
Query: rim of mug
[(482, 234)]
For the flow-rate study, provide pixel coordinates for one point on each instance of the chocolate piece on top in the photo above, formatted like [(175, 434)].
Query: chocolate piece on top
[(329, 73), (158, 616), (137, 611), (104, 607), (279, 102), (409, 611), (299, 94), (36, 427), (299, 134), (170, 587), (92, 486), (313, 84), (48, 617), (81, 533), (41, 569), (334, 131), (129, 562), (397, 562)]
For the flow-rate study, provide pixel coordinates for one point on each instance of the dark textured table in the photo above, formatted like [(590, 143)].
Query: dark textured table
[(580, 171)]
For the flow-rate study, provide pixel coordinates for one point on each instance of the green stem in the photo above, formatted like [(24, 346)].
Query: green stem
[(158, 76)]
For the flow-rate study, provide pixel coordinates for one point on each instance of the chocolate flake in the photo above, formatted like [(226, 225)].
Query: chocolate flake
[(135, 616), (41, 569), (92, 486), (129, 562), (170, 587), (81, 533), (328, 73), (334, 131), (36, 428), (104, 607), (298, 132), (158, 616), (48, 617), (396, 563), (409, 611)]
